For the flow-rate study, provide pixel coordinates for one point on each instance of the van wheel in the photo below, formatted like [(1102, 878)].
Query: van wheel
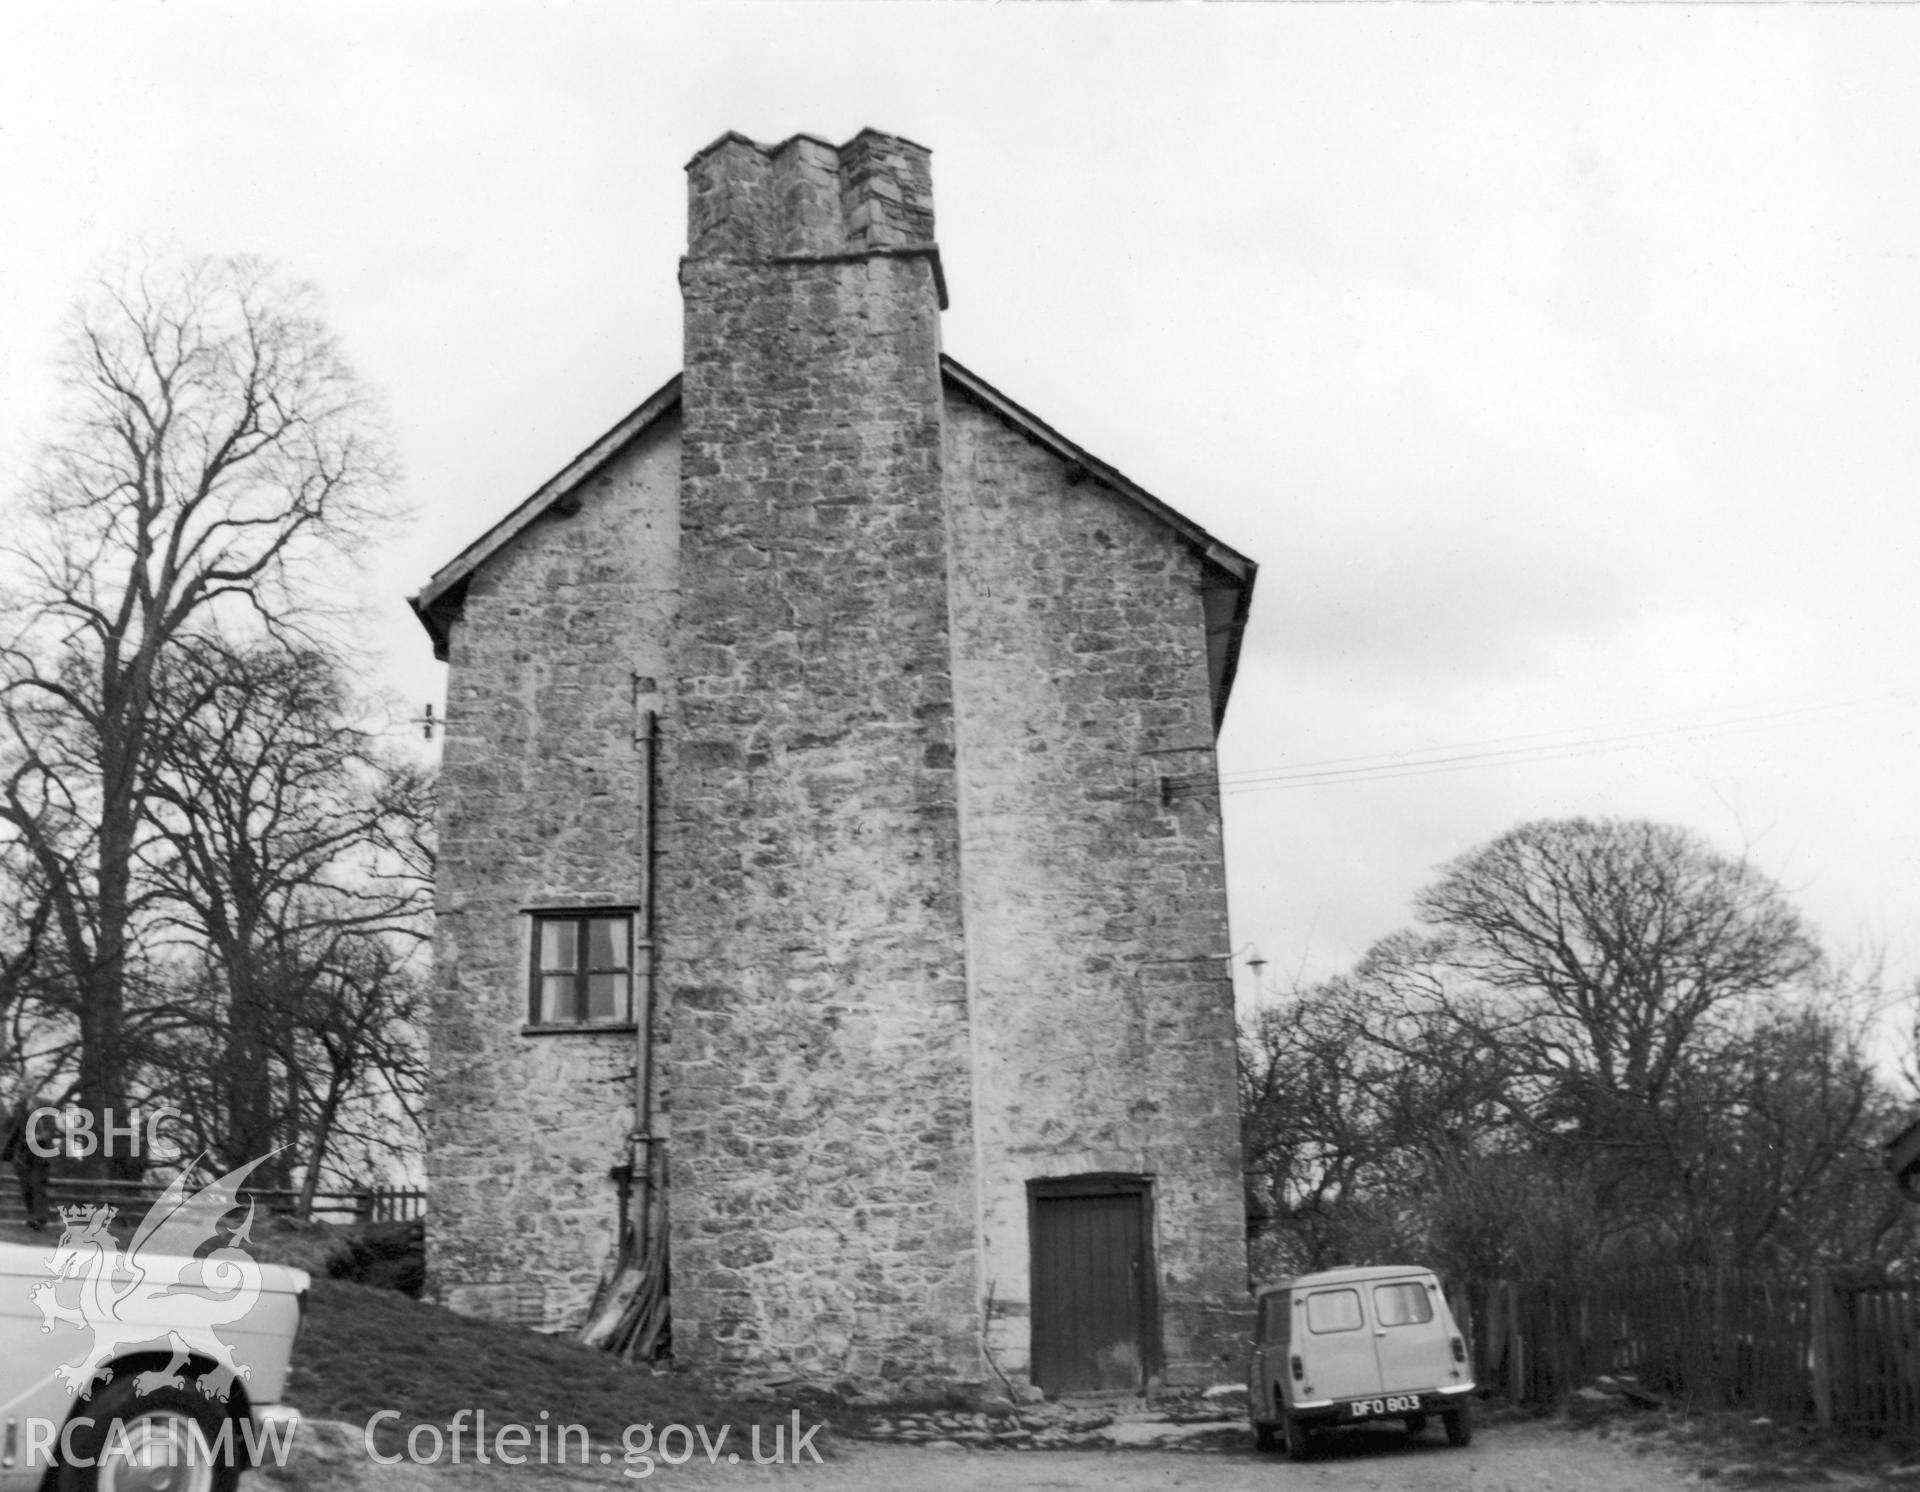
[(1459, 1423), (147, 1440), (1416, 1423), (1266, 1436), (1300, 1446)]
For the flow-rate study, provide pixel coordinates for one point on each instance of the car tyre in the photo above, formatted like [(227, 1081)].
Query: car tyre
[(155, 1441), (1300, 1440), (1266, 1435), (1416, 1423), (1459, 1423)]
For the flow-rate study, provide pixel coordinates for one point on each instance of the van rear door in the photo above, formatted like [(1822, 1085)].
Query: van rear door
[(1412, 1334), (1335, 1340)]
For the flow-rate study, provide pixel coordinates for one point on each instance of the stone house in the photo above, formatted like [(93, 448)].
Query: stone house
[(830, 870)]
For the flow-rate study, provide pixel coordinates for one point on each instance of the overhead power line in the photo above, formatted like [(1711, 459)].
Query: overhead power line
[(1512, 750)]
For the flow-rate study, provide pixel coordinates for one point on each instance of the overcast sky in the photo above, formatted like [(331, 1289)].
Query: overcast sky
[(1559, 366)]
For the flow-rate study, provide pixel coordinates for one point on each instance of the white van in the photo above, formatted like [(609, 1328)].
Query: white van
[(1356, 1344)]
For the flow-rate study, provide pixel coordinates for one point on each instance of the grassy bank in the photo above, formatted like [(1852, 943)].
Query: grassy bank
[(365, 1350)]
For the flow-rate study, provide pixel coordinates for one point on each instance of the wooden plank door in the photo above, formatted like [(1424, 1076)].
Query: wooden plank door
[(1092, 1289)]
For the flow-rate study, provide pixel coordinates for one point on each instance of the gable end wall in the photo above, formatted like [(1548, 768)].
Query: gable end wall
[(1095, 891), (540, 802)]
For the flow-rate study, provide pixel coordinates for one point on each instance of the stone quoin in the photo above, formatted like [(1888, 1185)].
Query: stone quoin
[(830, 839)]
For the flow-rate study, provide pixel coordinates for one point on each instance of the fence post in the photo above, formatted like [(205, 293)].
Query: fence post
[(1820, 1345), (1489, 1365), (1517, 1364)]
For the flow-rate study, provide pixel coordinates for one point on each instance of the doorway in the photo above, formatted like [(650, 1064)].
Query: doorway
[(1094, 1301)]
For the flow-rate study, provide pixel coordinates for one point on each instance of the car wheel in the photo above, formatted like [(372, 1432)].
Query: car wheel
[(1459, 1423), (1300, 1445), (1266, 1436), (1416, 1423), (154, 1448)]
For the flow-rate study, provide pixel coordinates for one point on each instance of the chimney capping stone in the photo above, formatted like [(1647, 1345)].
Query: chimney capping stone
[(735, 137), (806, 197)]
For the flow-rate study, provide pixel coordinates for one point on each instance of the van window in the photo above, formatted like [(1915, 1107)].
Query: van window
[(1333, 1310), (1278, 1325), (1402, 1305)]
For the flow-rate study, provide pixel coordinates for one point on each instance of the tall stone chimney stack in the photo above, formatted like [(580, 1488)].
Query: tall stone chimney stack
[(808, 885)]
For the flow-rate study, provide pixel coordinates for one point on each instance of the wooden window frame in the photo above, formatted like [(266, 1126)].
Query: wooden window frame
[(539, 917)]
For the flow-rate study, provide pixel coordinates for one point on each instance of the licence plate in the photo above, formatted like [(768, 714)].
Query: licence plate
[(1393, 1404)]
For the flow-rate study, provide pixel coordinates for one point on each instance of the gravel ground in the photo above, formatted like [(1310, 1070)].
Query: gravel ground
[(1525, 1457)]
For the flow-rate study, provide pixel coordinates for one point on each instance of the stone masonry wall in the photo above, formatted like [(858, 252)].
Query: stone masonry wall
[(1095, 894), (940, 900), (822, 1189), (540, 793)]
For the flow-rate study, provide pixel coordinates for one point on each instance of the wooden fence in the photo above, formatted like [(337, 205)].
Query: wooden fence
[(1839, 1350), (380, 1204), (1868, 1375)]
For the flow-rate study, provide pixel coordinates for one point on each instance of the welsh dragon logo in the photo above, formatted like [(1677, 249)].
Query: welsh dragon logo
[(158, 1287)]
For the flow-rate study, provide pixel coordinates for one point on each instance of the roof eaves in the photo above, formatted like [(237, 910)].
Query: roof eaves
[(1239, 570), (576, 473), (442, 592), (1224, 556)]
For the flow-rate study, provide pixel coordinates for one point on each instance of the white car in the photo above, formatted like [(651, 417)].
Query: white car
[(143, 1370)]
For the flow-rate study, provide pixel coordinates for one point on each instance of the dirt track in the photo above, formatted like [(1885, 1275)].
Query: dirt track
[(1517, 1460), (1505, 1458)]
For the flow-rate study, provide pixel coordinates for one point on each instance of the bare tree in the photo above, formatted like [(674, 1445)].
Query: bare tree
[(1619, 948), (1350, 1107), (357, 1069), (1609, 1043), (341, 1060), (284, 845), (215, 445), (1782, 1160), (30, 1048)]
